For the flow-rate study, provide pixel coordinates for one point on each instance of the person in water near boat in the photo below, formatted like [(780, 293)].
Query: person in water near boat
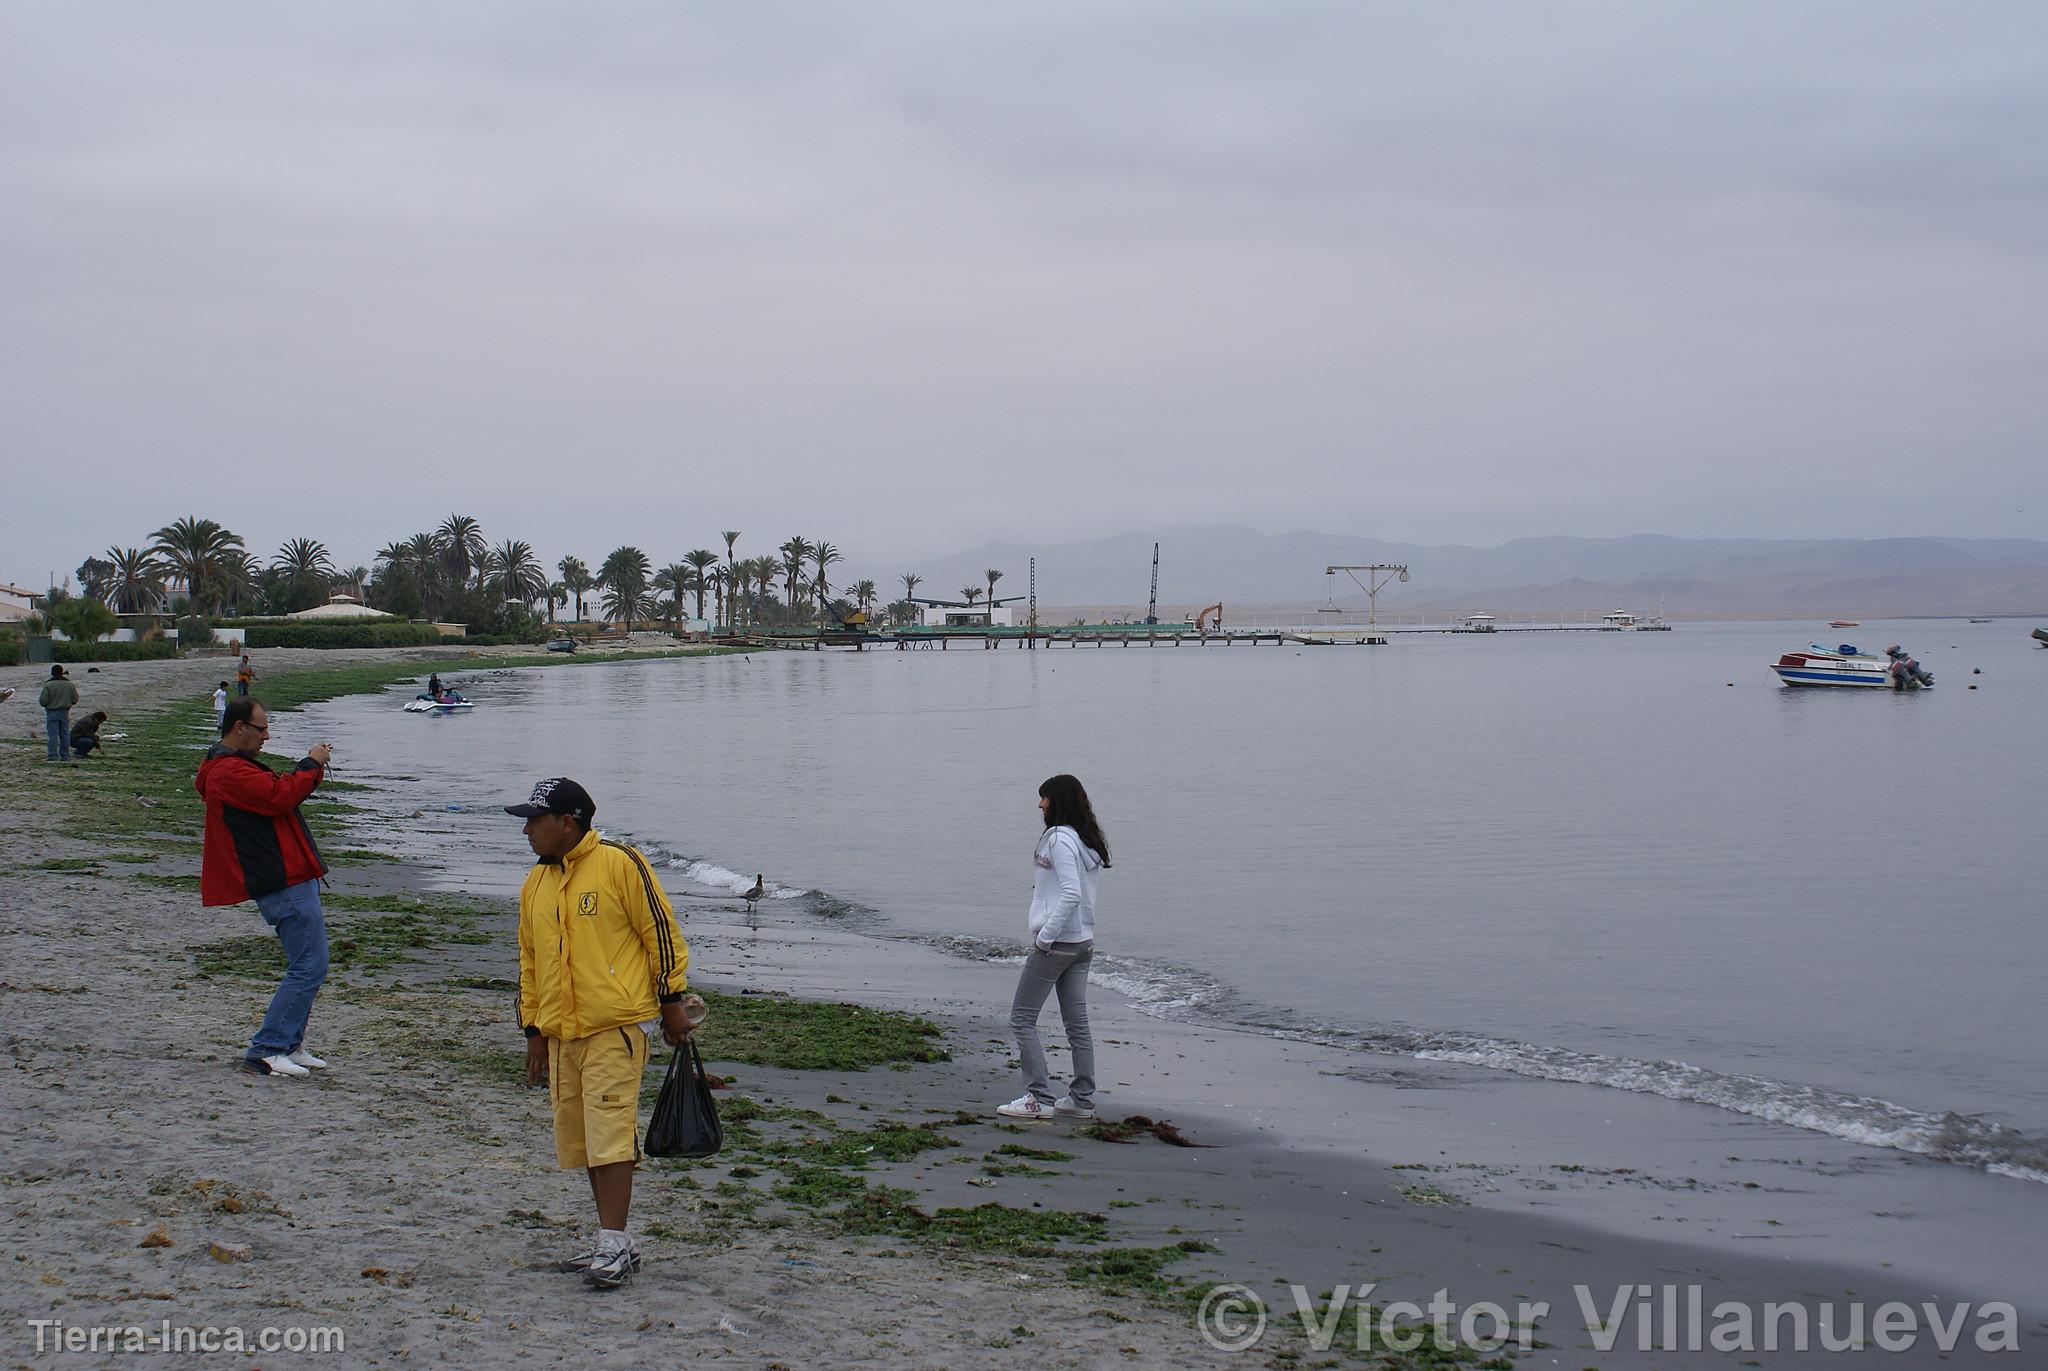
[(1070, 853)]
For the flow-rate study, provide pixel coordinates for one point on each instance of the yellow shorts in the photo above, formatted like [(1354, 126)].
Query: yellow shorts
[(595, 1085)]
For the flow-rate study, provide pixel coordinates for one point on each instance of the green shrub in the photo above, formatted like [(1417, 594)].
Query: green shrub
[(113, 652), (81, 619), (194, 631), (10, 651), (332, 635)]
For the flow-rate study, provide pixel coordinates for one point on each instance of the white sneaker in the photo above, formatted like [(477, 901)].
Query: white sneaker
[(1025, 1107), (1065, 1108), (608, 1270), (305, 1058), (281, 1065)]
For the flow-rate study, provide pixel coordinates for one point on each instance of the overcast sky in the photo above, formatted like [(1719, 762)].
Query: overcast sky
[(911, 276)]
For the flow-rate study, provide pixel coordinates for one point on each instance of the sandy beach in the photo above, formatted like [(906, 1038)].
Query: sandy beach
[(403, 1196)]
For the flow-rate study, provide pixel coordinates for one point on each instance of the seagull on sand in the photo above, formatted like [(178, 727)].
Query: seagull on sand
[(146, 802), (752, 895)]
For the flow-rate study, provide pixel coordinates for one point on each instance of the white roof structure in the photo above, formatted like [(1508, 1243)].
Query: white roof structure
[(341, 608)]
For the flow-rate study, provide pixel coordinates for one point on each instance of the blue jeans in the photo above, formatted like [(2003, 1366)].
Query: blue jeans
[(295, 913), (1063, 970), (58, 722)]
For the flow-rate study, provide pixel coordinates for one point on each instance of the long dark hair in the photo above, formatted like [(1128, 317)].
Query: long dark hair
[(1068, 804)]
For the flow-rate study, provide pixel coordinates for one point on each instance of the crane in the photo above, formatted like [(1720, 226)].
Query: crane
[(1152, 609), (1373, 583)]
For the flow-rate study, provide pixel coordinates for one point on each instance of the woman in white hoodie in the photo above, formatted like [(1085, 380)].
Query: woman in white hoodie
[(1070, 854)]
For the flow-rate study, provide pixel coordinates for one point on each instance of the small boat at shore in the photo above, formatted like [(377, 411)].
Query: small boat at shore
[(1819, 666), (1843, 623), (2041, 636)]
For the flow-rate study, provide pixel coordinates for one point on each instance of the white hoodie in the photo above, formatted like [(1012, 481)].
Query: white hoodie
[(1063, 888)]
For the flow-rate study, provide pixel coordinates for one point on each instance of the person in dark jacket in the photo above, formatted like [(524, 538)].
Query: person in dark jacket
[(259, 848), (85, 734), (57, 697)]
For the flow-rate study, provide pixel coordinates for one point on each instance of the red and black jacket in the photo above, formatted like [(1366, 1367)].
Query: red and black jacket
[(256, 843)]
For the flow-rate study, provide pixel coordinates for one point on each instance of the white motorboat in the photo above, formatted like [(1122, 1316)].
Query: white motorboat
[(1820, 666), (427, 705)]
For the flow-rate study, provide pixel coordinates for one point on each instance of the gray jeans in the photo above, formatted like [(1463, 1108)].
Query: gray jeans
[(1064, 969)]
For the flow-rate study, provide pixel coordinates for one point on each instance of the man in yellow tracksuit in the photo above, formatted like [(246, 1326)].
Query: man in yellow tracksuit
[(600, 958)]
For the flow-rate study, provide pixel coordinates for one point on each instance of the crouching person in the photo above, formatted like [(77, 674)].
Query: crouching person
[(601, 966)]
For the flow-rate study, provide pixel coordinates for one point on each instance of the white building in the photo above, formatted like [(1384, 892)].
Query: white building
[(961, 616), (16, 604)]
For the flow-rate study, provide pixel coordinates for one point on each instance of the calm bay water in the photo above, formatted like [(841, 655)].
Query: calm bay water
[(1586, 856)]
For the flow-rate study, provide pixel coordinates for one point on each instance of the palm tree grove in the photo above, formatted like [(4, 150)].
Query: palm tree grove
[(199, 573)]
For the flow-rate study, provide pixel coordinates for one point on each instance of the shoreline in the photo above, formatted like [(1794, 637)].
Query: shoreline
[(1299, 1200)]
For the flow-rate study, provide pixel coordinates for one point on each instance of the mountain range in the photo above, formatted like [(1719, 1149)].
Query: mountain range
[(1702, 578)]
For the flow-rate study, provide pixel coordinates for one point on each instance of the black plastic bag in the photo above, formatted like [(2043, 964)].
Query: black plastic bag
[(685, 1121)]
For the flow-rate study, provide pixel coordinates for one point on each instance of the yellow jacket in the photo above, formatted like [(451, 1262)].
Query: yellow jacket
[(598, 942)]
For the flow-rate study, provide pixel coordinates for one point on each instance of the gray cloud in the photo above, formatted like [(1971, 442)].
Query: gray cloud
[(913, 276)]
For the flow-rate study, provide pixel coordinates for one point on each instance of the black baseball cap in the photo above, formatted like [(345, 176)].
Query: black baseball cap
[(556, 795)]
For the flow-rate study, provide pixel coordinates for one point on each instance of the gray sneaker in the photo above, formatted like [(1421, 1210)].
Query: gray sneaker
[(610, 1270), (581, 1263), (1065, 1108)]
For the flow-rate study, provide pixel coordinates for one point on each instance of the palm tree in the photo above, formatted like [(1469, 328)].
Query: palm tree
[(136, 585), (575, 579), (624, 578), (303, 557), (194, 549), (355, 578), (970, 594), (993, 576), (911, 581), (720, 579), (674, 578), (794, 552), (766, 569), (822, 556), (864, 594), (238, 577), (558, 594), (421, 556), (514, 572), (731, 536), (461, 542), (700, 558)]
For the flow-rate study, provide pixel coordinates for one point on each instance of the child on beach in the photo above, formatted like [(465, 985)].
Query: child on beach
[(1069, 854), (220, 704)]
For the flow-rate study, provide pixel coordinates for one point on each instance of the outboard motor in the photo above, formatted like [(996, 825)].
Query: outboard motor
[(1907, 674)]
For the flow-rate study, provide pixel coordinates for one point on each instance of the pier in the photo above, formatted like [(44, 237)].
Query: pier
[(1056, 636)]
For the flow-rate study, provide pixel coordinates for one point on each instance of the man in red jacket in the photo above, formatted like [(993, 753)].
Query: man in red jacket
[(259, 848)]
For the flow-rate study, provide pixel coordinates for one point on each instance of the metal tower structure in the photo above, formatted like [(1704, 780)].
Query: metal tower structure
[(1152, 606), (1371, 585), (1031, 633)]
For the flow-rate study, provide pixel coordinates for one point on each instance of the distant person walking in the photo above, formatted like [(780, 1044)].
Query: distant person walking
[(1070, 854), (56, 697), (259, 848), (245, 676), (220, 704), (601, 965)]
